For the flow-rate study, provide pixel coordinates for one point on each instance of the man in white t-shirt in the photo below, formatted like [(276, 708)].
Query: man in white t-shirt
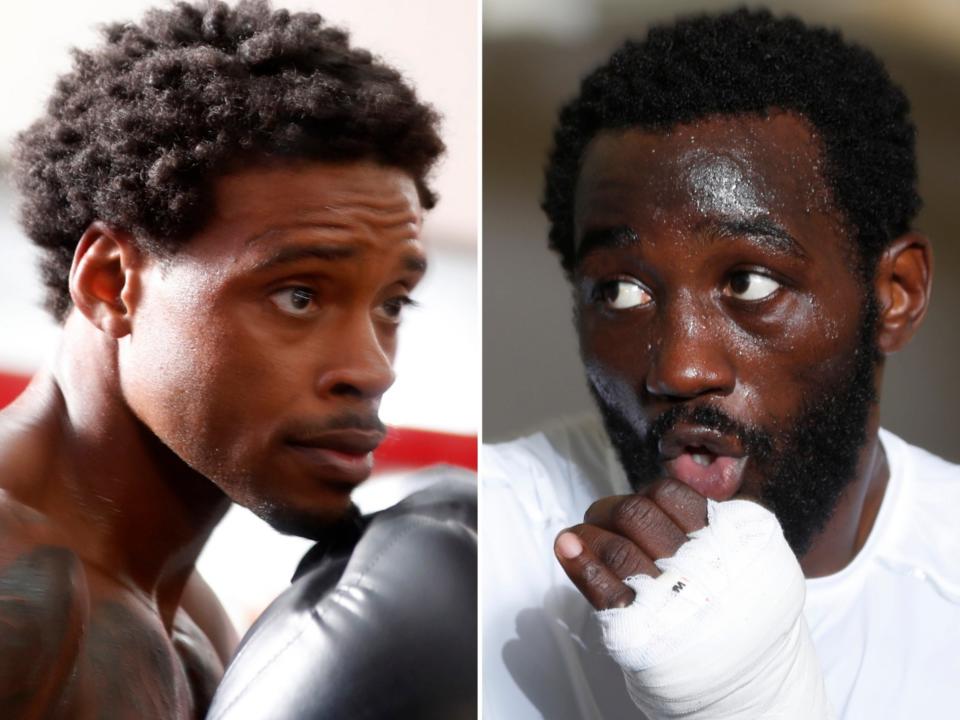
[(732, 200)]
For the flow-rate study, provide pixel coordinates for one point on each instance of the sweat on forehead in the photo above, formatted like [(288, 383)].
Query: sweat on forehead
[(724, 172), (745, 63)]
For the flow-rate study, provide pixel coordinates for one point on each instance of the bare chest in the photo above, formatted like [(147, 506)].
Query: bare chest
[(129, 666)]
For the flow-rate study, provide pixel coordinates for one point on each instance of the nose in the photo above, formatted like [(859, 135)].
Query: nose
[(358, 364), (690, 357)]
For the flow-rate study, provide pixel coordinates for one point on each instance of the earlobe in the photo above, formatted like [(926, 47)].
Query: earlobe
[(902, 284), (104, 278)]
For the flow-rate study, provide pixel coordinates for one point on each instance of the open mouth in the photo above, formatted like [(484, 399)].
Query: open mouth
[(703, 458), (715, 476)]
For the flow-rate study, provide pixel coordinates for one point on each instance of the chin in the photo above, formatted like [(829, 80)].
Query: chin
[(315, 522)]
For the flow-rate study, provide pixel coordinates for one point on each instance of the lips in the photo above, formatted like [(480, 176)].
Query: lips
[(339, 455), (704, 459)]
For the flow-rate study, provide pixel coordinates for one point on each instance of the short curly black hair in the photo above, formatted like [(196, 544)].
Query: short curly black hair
[(136, 133), (744, 62)]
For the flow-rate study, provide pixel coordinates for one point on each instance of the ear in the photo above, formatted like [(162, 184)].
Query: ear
[(104, 278), (902, 284)]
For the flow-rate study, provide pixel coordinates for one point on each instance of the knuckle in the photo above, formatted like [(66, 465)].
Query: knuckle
[(634, 514), (675, 492), (683, 502), (670, 489), (618, 556), (593, 577), (590, 573)]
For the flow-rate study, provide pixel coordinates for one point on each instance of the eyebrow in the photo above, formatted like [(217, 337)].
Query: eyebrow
[(413, 262), (770, 234), (287, 255), (606, 238)]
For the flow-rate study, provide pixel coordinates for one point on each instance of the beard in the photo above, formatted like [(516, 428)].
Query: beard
[(804, 468), (328, 528)]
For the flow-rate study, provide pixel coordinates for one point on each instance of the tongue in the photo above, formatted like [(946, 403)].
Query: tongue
[(718, 480)]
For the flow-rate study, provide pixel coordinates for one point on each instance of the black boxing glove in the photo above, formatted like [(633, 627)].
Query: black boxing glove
[(380, 622)]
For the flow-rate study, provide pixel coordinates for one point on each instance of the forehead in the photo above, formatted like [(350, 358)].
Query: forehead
[(373, 193), (728, 168), (365, 206)]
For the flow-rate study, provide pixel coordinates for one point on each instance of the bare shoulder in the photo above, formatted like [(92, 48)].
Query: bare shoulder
[(43, 605), (203, 607), (204, 638), (25, 528)]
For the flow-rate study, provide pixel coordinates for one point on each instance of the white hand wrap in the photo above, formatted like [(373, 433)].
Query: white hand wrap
[(720, 633)]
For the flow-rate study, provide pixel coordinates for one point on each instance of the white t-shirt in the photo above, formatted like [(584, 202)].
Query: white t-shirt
[(886, 628)]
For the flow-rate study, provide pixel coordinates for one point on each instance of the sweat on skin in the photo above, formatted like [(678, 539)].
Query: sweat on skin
[(714, 272)]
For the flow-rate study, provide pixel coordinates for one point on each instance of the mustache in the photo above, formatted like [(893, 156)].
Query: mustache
[(754, 441), (347, 420)]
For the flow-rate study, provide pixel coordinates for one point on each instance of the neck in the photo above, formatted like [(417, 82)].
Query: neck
[(848, 528), (125, 502)]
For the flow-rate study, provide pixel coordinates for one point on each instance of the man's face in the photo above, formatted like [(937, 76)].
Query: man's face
[(727, 335), (260, 351)]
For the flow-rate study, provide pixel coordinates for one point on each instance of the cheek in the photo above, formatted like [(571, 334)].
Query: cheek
[(191, 377), (807, 337), (387, 338), (621, 357), (168, 377), (784, 361), (615, 358)]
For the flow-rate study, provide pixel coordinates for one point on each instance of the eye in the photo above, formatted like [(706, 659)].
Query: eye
[(622, 294), (746, 285), (298, 301), (392, 309)]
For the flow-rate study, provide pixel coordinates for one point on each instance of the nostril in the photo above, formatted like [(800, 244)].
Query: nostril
[(689, 375), (344, 389)]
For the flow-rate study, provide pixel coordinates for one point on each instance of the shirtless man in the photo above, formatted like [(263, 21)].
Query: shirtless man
[(228, 203)]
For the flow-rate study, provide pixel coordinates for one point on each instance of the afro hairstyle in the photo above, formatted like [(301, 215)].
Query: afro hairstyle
[(750, 62), (138, 131)]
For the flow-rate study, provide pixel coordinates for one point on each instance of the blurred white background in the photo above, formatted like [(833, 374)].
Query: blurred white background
[(435, 44)]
